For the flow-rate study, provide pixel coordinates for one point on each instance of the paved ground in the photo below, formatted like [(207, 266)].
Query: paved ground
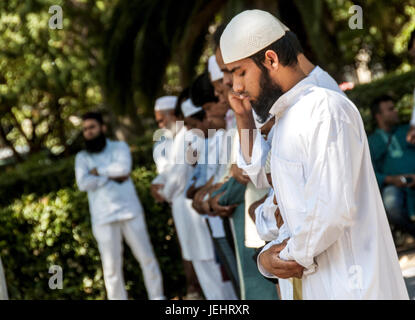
[(407, 262), (406, 254)]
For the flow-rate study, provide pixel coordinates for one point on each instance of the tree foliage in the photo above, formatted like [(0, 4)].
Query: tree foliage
[(47, 75)]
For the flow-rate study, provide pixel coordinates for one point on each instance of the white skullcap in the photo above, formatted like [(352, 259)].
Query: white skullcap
[(258, 124), (165, 103), (214, 70), (249, 32), (189, 109)]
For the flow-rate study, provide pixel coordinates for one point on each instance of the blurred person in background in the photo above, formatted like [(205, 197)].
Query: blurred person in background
[(103, 171), (3, 287), (394, 163)]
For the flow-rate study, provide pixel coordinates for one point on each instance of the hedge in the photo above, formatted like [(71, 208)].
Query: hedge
[(40, 174), (38, 232), (398, 86)]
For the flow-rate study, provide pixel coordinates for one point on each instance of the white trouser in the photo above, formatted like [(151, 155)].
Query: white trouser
[(210, 279), (286, 289), (109, 237), (3, 287)]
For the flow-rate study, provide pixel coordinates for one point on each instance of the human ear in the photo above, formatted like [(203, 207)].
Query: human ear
[(271, 59)]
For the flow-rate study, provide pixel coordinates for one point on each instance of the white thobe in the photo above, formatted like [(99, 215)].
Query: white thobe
[(3, 287), (192, 231), (109, 201), (329, 200), (161, 159), (117, 214)]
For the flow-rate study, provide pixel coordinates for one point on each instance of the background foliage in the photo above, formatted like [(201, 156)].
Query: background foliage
[(54, 229)]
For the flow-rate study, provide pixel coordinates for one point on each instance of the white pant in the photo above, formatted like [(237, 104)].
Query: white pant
[(109, 237), (3, 287), (210, 279)]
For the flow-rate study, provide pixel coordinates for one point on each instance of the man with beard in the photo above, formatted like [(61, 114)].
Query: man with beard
[(103, 171), (165, 119), (340, 243), (394, 163)]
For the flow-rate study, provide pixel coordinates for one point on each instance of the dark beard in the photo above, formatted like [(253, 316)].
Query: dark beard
[(270, 92), (96, 144)]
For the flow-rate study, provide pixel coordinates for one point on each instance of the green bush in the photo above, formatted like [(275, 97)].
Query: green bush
[(39, 175), (398, 86), (37, 232)]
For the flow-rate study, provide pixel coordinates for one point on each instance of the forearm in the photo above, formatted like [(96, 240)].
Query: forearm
[(114, 170), (90, 182)]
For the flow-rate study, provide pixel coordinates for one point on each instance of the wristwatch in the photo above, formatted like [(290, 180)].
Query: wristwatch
[(403, 179)]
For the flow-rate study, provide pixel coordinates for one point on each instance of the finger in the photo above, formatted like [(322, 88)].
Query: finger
[(410, 185)]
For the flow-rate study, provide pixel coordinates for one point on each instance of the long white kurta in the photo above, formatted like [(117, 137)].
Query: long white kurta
[(108, 200), (191, 227), (3, 287), (329, 199)]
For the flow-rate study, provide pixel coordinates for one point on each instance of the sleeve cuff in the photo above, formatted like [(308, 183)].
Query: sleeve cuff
[(267, 228), (160, 179), (101, 171), (102, 180), (285, 255)]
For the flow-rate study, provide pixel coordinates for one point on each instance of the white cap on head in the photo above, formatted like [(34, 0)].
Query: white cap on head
[(258, 124), (249, 32), (165, 103), (189, 109), (214, 70)]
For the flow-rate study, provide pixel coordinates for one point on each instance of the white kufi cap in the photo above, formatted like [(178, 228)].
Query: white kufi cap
[(249, 32), (189, 109), (165, 103), (214, 70)]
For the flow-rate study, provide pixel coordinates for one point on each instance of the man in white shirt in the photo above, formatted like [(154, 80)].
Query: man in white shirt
[(340, 242), (3, 287), (103, 171)]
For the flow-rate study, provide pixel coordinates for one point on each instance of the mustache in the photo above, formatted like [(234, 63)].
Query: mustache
[(242, 95)]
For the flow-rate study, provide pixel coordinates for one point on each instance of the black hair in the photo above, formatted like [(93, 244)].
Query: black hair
[(199, 115), (183, 96), (217, 34), (93, 115), (202, 91), (411, 40), (287, 48), (375, 108)]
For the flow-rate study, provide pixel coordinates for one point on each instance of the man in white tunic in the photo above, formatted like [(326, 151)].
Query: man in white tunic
[(340, 242), (103, 170), (3, 287)]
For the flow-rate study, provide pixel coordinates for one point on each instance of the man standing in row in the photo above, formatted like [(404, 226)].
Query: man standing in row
[(103, 171), (341, 245), (3, 287)]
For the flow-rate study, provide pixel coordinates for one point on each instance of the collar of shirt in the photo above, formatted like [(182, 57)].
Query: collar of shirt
[(290, 97)]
